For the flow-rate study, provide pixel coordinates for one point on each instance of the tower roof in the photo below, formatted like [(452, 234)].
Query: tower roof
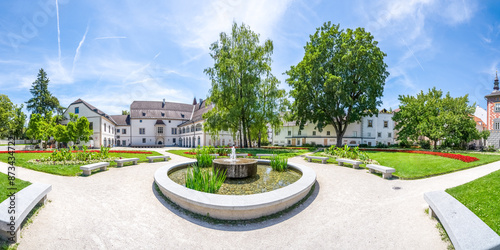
[(495, 87)]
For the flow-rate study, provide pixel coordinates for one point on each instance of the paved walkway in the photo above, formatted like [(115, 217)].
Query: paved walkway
[(350, 209)]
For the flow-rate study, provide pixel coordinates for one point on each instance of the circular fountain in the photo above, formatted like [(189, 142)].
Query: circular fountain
[(236, 167)]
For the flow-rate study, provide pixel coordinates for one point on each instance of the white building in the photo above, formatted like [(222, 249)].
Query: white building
[(370, 131)]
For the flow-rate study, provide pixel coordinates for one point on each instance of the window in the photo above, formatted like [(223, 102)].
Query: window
[(300, 132), (314, 132), (389, 135), (386, 124), (109, 129), (277, 133), (355, 133), (140, 121), (370, 123), (289, 133), (91, 125), (162, 114), (379, 134), (77, 110), (160, 130), (327, 132), (117, 130), (369, 134), (496, 126), (289, 142), (124, 131), (173, 140), (124, 143), (143, 114), (174, 131), (370, 143), (169, 121), (143, 140), (142, 131), (497, 107), (104, 127)]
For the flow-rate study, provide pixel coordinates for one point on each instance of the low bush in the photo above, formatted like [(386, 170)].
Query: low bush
[(279, 164), (204, 180), (204, 160), (349, 153), (425, 144)]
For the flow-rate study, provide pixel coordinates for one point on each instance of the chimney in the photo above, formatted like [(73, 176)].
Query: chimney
[(163, 104), (194, 101)]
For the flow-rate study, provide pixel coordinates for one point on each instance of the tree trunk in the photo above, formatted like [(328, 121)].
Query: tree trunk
[(245, 142), (249, 137), (260, 136)]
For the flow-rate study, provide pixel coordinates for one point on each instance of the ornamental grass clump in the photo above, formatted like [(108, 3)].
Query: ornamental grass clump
[(349, 153), (204, 180), (279, 164), (204, 160)]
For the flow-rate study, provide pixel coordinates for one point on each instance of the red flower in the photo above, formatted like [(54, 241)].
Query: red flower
[(463, 158)]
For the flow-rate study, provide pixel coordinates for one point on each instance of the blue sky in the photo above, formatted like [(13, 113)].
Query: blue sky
[(110, 53)]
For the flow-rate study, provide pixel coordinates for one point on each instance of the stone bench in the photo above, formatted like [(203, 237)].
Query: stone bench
[(323, 159), (152, 158), (25, 200), (260, 155), (214, 155), (87, 169), (355, 164), (119, 162), (386, 171), (242, 155), (465, 229)]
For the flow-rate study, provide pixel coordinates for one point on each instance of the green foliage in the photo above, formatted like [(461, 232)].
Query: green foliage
[(78, 129), (436, 117), (279, 163), (104, 151), (18, 121), (204, 180), (43, 102), (245, 93), (340, 79), (349, 153), (65, 155), (425, 144), (41, 128), (204, 159), (381, 145), (6, 116), (125, 112)]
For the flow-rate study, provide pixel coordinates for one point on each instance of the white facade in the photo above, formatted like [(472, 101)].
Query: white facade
[(123, 135), (370, 131)]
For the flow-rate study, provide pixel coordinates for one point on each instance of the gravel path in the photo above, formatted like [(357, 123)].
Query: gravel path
[(349, 209)]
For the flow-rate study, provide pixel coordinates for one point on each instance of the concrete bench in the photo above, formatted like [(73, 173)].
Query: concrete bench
[(355, 164), (386, 171), (215, 155), (260, 155), (465, 229), (87, 169), (119, 162), (323, 159), (152, 158), (242, 155), (25, 200)]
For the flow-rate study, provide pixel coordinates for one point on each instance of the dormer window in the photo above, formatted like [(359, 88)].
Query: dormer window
[(163, 114), (143, 114)]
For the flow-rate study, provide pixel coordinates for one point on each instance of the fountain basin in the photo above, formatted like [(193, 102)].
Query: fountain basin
[(239, 168), (235, 207)]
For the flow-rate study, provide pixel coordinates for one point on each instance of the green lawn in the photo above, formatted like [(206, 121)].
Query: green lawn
[(66, 170), (481, 196), (281, 152), (5, 184)]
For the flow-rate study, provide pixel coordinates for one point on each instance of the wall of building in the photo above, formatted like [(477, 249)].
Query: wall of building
[(92, 117)]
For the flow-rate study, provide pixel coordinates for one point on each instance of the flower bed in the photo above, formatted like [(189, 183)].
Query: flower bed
[(463, 158), (194, 153), (76, 151), (297, 148)]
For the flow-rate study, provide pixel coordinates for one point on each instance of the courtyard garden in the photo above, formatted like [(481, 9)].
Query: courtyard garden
[(286, 152), (419, 164), (67, 162)]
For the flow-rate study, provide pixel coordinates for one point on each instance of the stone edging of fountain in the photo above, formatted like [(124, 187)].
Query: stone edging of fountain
[(235, 207)]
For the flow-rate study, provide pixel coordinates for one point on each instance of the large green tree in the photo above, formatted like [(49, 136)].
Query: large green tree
[(41, 128), (437, 117), (43, 101), (340, 79), (76, 130), (7, 110), (240, 78), (18, 122)]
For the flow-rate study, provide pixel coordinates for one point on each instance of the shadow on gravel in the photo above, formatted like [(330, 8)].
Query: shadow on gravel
[(232, 225)]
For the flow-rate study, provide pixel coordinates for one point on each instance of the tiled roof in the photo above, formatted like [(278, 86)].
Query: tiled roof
[(98, 111), (160, 110), (121, 120), (200, 109)]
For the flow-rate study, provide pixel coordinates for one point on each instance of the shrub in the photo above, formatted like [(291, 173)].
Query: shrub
[(279, 164), (491, 148), (349, 153), (425, 144), (363, 145), (208, 181), (404, 144), (381, 145)]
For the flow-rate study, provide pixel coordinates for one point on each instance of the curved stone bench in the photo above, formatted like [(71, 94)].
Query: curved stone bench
[(323, 159), (87, 169), (152, 158), (119, 162), (355, 164), (25, 200), (386, 171), (465, 229)]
